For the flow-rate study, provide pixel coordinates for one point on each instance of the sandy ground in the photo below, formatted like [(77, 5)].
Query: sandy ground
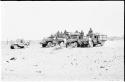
[(34, 63)]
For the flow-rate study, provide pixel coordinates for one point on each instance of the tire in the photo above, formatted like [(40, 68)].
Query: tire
[(94, 45), (71, 45), (44, 45), (75, 44), (61, 44), (49, 44), (12, 47), (15, 46)]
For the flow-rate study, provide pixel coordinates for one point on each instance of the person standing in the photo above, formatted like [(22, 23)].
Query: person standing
[(90, 33), (90, 41)]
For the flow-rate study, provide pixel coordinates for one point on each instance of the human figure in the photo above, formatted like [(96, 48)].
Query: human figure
[(90, 33), (81, 34), (90, 41)]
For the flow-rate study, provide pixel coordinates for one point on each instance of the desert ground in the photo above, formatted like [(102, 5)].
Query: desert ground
[(34, 63)]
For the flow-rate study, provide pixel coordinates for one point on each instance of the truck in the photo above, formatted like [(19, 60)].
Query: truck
[(76, 40), (51, 42)]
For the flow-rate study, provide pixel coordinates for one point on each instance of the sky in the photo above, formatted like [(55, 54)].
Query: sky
[(35, 20)]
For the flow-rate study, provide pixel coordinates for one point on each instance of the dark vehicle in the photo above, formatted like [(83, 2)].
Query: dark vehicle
[(19, 44)]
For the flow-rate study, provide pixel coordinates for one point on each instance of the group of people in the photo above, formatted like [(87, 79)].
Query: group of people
[(89, 35)]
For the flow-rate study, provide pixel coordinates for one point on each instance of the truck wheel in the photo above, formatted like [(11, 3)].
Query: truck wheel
[(75, 44), (94, 45), (44, 45), (61, 44), (49, 44), (12, 47)]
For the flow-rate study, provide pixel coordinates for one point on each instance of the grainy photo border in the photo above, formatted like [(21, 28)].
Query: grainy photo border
[(38, 81)]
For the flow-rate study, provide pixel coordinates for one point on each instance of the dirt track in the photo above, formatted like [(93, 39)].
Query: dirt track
[(35, 63)]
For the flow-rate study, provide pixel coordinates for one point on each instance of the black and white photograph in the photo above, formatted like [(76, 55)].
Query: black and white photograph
[(62, 40)]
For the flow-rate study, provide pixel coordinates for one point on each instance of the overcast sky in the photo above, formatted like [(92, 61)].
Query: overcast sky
[(34, 20)]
